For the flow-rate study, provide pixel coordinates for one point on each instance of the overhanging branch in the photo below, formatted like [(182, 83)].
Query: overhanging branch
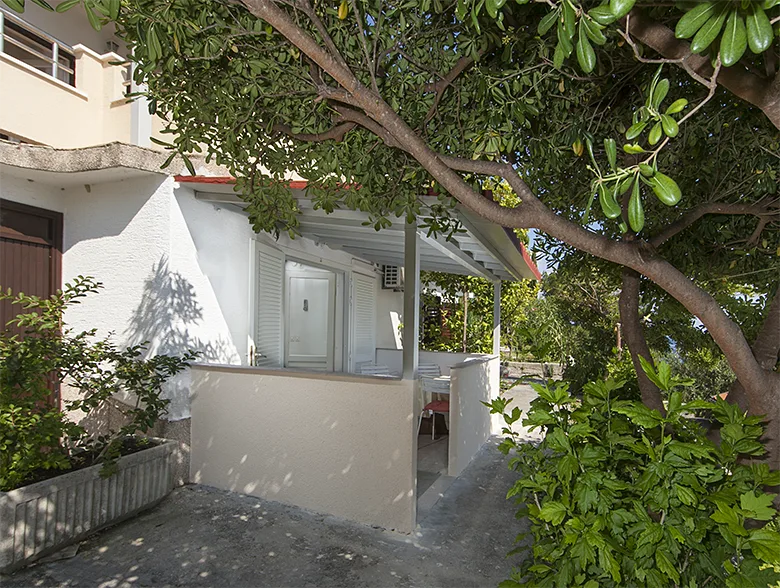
[(765, 94)]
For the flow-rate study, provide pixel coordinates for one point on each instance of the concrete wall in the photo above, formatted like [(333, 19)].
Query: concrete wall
[(394, 360), (473, 382), (331, 443)]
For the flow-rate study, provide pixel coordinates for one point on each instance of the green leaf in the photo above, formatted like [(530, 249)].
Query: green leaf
[(636, 213), (709, 31), (659, 93), (559, 55), (665, 188), (765, 545), (553, 512), (693, 20), (94, 19), (602, 14), (633, 149), (666, 565), (608, 201), (586, 56), (759, 29), (611, 148), (620, 8), (66, 5), (758, 506), (547, 22), (43, 4), (569, 19), (113, 8), (17, 5), (733, 43), (677, 106), (655, 134), (671, 128), (635, 130), (593, 30)]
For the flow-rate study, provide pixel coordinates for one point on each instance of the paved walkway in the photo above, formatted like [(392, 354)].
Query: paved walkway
[(204, 537)]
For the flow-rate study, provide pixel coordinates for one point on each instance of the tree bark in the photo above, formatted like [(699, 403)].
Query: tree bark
[(634, 335)]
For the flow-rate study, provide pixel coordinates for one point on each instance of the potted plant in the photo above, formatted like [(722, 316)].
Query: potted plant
[(59, 482)]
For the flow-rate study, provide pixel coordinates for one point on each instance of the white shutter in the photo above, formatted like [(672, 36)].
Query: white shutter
[(363, 319), (268, 306)]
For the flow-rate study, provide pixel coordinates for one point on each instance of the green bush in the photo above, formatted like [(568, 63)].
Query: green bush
[(35, 434), (619, 496)]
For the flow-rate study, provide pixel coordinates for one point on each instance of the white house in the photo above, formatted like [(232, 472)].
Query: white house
[(275, 407)]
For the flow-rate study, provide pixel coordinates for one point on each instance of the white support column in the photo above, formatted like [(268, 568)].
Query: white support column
[(411, 351), (497, 318)]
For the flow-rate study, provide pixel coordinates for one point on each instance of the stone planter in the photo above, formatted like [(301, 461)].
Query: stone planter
[(41, 518)]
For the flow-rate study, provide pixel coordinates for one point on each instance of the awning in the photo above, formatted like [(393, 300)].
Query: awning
[(485, 249)]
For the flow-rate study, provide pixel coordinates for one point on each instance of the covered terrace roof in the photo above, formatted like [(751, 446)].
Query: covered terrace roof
[(485, 249)]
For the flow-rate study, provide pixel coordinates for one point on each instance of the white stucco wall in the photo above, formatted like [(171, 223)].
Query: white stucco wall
[(473, 382), (304, 439), (389, 316), (23, 191), (176, 270)]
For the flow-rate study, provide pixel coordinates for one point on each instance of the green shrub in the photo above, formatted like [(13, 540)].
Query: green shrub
[(35, 434), (619, 496)]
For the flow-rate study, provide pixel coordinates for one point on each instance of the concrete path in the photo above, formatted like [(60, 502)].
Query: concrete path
[(204, 537)]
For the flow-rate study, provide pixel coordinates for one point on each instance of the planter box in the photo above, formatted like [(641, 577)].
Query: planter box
[(41, 518)]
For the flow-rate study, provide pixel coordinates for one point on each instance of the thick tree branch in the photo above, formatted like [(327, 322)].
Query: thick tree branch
[(695, 214), (532, 213), (739, 81), (634, 335)]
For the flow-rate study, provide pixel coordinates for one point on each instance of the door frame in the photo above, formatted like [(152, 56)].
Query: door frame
[(339, 311)]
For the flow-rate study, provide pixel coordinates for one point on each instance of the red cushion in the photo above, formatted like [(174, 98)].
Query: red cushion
[(438, 406)]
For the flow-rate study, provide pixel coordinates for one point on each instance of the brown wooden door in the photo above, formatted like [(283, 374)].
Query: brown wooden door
[(30, 253)]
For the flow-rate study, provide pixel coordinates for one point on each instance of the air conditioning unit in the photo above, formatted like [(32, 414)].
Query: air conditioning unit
[(392, 277)]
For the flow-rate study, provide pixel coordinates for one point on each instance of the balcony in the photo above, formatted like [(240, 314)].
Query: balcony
[(62, 96)]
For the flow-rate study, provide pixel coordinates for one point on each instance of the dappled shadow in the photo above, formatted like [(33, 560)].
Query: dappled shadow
[(169, 317), (204, 537)]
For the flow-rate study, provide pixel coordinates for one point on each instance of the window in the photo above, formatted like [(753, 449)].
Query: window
[(35, 48)]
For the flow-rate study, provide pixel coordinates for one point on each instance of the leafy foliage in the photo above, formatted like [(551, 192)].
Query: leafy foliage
[(445, 293), (618, 495), (35, 434)]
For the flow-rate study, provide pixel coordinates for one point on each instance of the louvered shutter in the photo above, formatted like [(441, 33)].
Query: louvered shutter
[(268, 306), (363, 319)]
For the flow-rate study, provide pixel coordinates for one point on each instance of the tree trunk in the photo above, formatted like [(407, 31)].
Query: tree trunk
[(766, 349), (634, 336)]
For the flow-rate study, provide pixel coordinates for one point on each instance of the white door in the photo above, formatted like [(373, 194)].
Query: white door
[(311, 296)]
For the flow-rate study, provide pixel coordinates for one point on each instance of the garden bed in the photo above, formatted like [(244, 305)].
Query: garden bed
[(41, 518)]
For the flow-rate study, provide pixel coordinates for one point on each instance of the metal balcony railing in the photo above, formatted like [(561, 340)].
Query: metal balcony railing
[(36, 48)]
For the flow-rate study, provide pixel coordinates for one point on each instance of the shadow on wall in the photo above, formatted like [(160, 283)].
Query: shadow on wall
[(171, 319)]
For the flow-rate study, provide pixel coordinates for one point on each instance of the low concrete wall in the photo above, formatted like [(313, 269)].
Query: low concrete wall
[(332, 443), (41, 518), (518, 369), (473, 382), (393, 358)]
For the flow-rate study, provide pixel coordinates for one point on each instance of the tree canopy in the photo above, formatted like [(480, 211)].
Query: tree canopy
[(642, 133)]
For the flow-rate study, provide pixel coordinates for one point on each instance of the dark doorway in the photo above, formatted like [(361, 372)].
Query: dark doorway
[(30, 253)]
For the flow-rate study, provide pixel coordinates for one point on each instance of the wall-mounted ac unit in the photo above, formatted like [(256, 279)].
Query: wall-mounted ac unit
[(392, 277)]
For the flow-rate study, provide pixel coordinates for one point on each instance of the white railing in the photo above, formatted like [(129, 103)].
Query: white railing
[(34, 47)]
